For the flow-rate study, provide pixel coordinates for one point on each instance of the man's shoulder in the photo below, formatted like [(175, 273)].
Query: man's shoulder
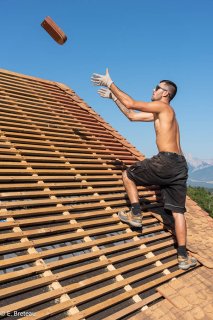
[(162, 105)]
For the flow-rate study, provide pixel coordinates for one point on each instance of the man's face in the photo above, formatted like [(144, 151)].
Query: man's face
[(158, 92)]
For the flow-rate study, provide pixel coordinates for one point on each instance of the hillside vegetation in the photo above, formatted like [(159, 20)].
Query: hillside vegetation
[(203, 198)]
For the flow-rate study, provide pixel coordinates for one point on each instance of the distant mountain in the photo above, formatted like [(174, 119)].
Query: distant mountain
[(200, 172)]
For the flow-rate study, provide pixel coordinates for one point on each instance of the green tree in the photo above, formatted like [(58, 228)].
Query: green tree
[(203, 198)]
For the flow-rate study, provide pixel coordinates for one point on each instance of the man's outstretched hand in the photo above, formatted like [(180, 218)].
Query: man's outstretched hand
[(106, 93), (102, 80)]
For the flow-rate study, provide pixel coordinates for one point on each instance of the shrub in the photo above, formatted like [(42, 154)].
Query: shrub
[(203, 197)]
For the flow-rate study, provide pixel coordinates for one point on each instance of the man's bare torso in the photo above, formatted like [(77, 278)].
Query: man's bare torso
[(167, 131)]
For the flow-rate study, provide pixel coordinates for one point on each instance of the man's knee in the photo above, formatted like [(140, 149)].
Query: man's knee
[(127, 180), (178, 215), (124, 174)]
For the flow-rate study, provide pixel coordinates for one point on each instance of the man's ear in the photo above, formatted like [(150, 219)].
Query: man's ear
[(166, 94)]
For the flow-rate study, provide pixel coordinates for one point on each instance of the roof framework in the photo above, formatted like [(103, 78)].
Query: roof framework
[(64, 253)]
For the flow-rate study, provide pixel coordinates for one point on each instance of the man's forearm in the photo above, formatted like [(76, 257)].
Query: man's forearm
[(132, 115), (124, 110), (124, 98)]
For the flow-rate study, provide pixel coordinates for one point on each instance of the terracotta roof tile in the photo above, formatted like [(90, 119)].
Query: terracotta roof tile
[(184, 298), (200, 227)]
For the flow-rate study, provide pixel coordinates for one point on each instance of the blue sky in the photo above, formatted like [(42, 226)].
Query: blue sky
[(140, 41)]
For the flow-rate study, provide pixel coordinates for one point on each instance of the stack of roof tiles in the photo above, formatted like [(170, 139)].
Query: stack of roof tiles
[(64, 254)]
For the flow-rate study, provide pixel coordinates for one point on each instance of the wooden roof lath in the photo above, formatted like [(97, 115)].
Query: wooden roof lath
[(64, 253)]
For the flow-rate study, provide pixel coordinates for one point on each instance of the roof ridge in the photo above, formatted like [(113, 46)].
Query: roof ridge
[(21, 75)]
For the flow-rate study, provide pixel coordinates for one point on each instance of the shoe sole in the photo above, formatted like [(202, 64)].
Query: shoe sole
[(187, 267), (131, 223)]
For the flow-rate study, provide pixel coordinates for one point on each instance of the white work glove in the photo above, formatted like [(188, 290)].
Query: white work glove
[(102, 80), (106, 93)]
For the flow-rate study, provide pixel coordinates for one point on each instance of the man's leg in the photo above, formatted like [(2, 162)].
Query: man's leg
[(131, 188), (185, 262), (134, 216), (180, 228)]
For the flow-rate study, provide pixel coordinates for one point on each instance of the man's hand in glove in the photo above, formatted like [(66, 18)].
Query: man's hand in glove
[(102, 80), (106, 93)]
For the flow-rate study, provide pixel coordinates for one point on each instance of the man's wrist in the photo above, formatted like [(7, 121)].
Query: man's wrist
[(109, 83), (114, 98)]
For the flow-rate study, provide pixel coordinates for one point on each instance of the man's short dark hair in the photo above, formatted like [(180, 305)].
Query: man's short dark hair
[(172, 88)]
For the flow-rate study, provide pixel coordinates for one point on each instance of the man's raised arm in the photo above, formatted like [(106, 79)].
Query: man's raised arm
[(125, 99)]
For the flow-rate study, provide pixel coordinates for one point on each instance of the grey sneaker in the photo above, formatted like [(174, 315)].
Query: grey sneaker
[(185, 263), (129, 218)]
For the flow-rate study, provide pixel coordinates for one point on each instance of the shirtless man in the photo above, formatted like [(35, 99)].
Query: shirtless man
[(168, 168)]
